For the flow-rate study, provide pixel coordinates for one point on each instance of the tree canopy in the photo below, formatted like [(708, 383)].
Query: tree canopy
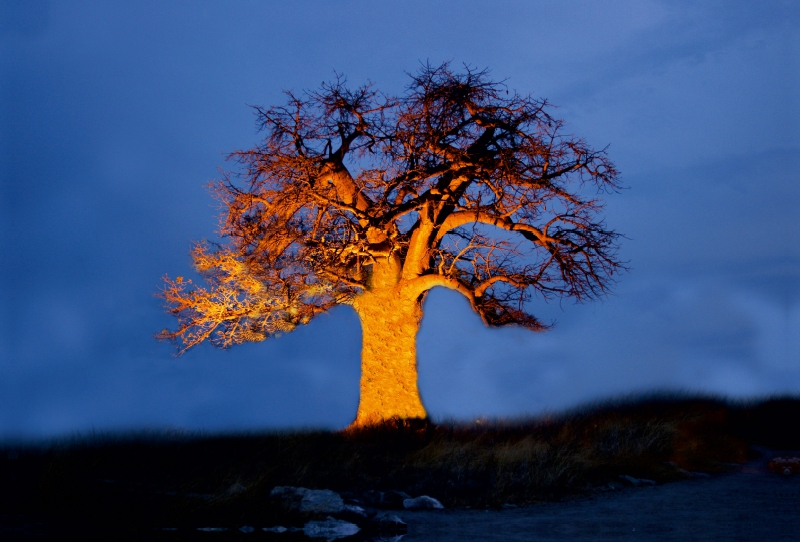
[(457, 182)]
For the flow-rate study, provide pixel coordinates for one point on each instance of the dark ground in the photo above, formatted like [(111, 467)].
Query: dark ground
[(752, 504), (556, 470)]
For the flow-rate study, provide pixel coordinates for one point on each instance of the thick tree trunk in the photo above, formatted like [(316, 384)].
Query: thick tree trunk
[(389, 325)]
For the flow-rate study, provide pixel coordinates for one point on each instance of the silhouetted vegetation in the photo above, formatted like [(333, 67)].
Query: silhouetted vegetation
[(151, 479)]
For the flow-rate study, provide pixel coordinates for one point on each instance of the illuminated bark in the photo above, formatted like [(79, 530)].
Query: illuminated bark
[(389, 325), (359, 198)]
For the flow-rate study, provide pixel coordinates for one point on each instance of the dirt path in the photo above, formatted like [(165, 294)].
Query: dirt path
[(752, 504)]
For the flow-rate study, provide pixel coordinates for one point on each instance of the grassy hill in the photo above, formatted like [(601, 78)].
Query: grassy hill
[(148, 480)]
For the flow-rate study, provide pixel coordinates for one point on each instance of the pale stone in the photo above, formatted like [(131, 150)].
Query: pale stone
[(330, 529), (319, 501), (637, 481), (423, 503)]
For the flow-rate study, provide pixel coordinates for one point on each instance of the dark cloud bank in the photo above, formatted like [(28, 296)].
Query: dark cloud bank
[(114, 117)]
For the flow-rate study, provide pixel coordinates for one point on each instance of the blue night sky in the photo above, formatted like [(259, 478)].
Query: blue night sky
[(115, 115)]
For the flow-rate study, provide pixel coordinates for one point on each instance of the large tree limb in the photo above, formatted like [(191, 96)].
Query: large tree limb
[(418, 286), (460, 218)]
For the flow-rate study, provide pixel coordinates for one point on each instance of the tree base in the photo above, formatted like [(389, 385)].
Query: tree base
[(394, 424)]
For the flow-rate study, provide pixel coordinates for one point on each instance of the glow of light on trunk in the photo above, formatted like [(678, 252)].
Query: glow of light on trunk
[(390, 320)]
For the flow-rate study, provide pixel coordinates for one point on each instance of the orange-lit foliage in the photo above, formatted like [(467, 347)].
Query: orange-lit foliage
[(355, 197)]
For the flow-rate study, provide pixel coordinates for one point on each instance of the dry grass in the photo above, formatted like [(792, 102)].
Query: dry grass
[(167, 479)]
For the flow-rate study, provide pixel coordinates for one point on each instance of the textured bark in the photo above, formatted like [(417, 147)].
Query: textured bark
[(390, 318)]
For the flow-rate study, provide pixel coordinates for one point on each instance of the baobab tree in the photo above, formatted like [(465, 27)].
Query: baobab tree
[(360, 198)]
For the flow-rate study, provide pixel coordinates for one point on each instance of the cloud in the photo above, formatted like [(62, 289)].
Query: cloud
[(658, 333), (112, 118)]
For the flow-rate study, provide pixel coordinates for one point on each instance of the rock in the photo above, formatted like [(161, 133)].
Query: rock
[(630, 479), (354, 509), (291, 496), (373, 498), (391, 525), (394, 499), (423, 503), (637, 481), (354, 513), (277, 529), (509, 506), (350, 497), (247, 529), (330, 529), (318, 501), (322, 501)]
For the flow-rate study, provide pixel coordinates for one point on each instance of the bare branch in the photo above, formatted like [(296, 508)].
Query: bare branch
[(347, 180)]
